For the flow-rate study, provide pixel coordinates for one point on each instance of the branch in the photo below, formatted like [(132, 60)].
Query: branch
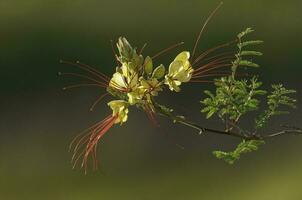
[(162, 110), (289, 130)]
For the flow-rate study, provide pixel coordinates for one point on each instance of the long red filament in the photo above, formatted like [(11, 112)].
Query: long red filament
[(209, 75), (95, 140), (203, 27), (207, 52), (201, 81), (91, 139), (86, 77), (229, 53), (167, 49), (87, 131), (88, 69), (82, 85), (216, 66), (208, 69), (221, 60), (98, 101), (151, 115), (96, 71)]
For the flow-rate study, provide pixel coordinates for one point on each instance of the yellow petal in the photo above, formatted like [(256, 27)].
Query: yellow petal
[(183, 56), (175, 67), (118, 80)]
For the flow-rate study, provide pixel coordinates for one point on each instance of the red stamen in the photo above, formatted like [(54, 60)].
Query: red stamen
[(91, 137), (223, 59), (212, 67), (151, 115), (98, 101), (88, 69), (104, 76), (230, 53), (203, 27), (204, 54), (167, 49), (209, 75), (201, 81), (86, 77), (82, 85)]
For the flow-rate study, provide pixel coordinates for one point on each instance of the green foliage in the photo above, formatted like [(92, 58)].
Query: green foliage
[(245, 146), (241, 59), (233, 98), (278, 97)]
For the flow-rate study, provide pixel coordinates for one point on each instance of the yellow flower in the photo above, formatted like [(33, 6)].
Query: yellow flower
[(152, 86), (180, 70), (118, 81), (121, 81), (136, 95), (120, 109)]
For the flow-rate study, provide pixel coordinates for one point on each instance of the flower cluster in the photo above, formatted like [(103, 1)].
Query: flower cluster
[(138, 80), (135, 82)]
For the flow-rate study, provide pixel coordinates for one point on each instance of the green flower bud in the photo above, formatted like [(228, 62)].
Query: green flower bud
[(148, 65), (152, 85), (159, 72)]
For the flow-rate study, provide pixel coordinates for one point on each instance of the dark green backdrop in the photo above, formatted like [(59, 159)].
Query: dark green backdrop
[(138, 161)]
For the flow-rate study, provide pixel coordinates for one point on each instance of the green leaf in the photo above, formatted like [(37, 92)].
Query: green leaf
[(159, 72), (260, 92), (211, 113), (206, 109), (248, 145), (251, 42), (227, 157), (209, 93), (148, 65), (251, 53), (278, 98), (245, 32), (245, 146), (248, 63)]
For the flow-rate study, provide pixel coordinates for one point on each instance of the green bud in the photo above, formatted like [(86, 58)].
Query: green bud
[(125, 49), (159, 72), (139, 60), (148, 65)]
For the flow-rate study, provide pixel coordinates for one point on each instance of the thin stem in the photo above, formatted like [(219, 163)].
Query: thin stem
[(292, 131), (201, 129)]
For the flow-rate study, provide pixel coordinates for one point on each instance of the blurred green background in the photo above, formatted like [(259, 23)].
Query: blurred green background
[(138, 161)]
